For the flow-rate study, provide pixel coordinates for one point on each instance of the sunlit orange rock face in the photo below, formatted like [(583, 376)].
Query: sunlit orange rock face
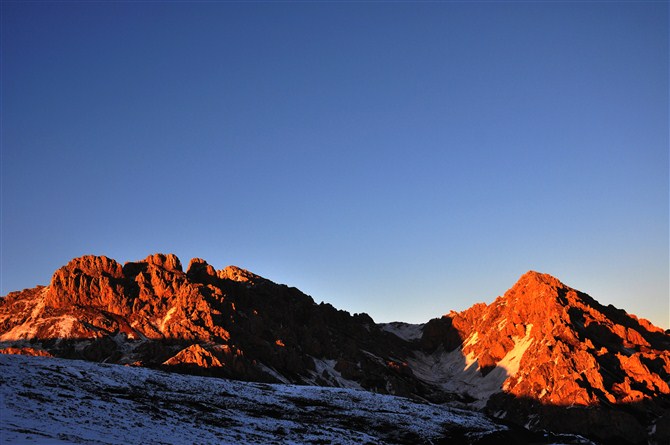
[(152, 298), (227, 322), (25, 351), (560, 347), (581, 351)]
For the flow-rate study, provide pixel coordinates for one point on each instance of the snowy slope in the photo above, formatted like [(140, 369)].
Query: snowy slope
[(406, 331), (45, 400), (456, 372), (56, 401)]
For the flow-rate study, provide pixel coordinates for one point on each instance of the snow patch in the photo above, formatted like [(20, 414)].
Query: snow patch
[(512, 359), (167, 318), (406, 331), (266, 369), (472, 339), (63, 329), (458, 373), (325, 370)]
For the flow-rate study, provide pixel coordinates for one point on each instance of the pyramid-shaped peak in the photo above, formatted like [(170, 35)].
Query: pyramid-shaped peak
[(537, 290), (534, 278)]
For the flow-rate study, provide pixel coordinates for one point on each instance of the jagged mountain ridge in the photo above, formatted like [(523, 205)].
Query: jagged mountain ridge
[(542, 343), (228, 323)]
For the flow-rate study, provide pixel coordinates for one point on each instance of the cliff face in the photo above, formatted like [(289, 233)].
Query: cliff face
[(546, 345), (561, 347), (227, 322), (526, 357), (95, 297)]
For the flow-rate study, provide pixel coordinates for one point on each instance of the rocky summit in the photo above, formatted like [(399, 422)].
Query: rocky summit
[(543, 356), (548, 356)]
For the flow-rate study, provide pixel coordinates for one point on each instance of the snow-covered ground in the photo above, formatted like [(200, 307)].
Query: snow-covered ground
[(406, 331), (56, 401), (457, 373)]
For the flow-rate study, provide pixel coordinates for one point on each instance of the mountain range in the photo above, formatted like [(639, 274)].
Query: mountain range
[(543, 357)]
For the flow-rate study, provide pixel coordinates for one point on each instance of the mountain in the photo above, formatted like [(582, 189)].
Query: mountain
[(548, 356), (543, 356), (229, 323)]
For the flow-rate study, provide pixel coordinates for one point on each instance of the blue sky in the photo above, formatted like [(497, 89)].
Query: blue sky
[(400, 159)]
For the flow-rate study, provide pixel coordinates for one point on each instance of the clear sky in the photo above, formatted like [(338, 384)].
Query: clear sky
[(399, 159)]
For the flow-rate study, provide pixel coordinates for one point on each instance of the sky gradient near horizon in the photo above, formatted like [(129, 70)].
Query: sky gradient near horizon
[(399, 159)]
